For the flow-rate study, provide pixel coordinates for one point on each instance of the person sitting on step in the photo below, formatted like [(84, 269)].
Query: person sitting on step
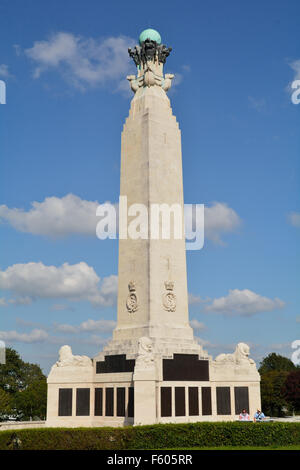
[(259, 416), (244, 416)]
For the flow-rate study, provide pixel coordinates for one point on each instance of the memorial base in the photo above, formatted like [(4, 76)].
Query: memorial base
[(120, 389)]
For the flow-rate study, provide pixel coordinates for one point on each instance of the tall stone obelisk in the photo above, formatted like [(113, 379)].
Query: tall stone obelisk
[(153, 370), (152, 289)]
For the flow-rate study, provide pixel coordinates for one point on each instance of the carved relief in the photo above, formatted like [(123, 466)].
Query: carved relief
[(145, 358), (169, 298), (132, 301), (150, 78)]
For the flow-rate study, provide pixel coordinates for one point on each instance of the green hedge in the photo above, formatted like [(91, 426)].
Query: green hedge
[(158, 436)]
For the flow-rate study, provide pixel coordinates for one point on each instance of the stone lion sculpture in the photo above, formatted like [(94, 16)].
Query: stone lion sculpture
[(240, 355), (145, 358), (66, 358)]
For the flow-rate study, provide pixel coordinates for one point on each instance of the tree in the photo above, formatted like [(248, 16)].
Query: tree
[(11, 372), (275, 362), (31, 373), (272, 398), (5, 405), (31, 402), (26, 386), (291, 389), (16, 374)]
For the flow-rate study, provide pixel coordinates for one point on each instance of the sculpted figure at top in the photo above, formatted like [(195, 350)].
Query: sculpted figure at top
[(149, 57)]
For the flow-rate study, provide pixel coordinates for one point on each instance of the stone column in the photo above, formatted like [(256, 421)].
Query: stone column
[(144, 397), (152, 290), (144, 380)]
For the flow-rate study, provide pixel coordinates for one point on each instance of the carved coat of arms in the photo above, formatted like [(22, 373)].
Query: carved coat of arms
[(169, 298), (132, 301)]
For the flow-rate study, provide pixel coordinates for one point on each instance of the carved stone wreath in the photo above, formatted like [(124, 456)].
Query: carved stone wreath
[(169, 298), (132, 301)]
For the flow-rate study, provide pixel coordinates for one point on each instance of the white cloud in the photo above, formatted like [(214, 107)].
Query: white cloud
[(4, 72), (60, 307), (97, 325), (103, 326), (97, 340), (294, 219), (177, 80), (3, 302), (66, 328), (179, 77), (124, 88), (243, 302), (82, 61), (261, 350), (60, 217), (197, 325), (31, 324), (20, 301), (35, 336), (54, 217), (219, 219), (18, 49), (196, 299), (295, 65), (73, 282)]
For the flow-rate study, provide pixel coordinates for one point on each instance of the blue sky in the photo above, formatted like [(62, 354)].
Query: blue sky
[(64, 65)]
